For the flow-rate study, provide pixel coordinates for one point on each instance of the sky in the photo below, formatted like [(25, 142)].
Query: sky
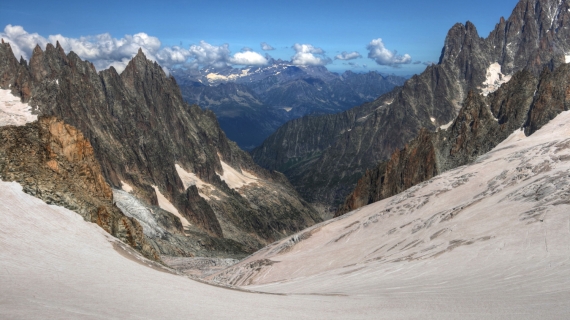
[(399, 37)]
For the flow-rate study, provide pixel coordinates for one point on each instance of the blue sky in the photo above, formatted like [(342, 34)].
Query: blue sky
[(415, 29)]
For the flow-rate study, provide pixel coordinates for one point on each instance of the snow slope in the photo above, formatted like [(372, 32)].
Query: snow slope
[(492, 238), (485, 241), (12, 111), (54, 265)]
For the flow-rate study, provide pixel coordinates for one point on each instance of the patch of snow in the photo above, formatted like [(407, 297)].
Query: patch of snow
[(126, 187), (567, 57), (164, 204), (235, 179), (447, 125), (494, 79), (287, 109), (133, 208), (432, 119), (218, 77), (191, 179), (13, 112)]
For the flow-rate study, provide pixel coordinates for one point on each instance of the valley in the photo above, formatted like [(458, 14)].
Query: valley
[(279, 189)]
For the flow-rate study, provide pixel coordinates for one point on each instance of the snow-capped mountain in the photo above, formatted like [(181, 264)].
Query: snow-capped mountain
[(252, 102)]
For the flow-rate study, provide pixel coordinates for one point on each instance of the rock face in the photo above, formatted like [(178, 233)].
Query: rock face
[(251, 103), (536, 35), (141, 130), (54, 162), (524, 103)]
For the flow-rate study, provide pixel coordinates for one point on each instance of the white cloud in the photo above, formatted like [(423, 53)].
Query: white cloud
[(209, 55), (102, 50), (348, 55), (249, 58), (105, 51), (266, 47), (22, 42), (378, 52), (306, 55)]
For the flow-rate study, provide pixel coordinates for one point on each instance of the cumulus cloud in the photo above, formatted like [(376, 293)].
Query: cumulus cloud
[(105, 51), (209, 55), (348, 56), (102, 50), (266, 47), (378, 52), (308, 55), (249, 58), (22, 42)]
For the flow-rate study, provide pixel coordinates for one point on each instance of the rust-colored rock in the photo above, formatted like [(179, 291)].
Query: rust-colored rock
[(53, 161)]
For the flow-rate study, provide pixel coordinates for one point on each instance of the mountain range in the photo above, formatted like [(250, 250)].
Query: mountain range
[(450, 193), (251, 103)]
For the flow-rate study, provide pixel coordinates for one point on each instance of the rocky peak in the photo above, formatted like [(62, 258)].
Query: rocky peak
[(534, 35), (142, 131)]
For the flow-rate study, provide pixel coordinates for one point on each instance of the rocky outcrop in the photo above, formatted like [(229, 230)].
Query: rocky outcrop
[(524, 103), (54, 162), (325, 165), (141, 130)]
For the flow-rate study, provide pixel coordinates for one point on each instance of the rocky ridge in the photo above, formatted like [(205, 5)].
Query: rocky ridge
[(141, 130), (535, 35), (525, 102)]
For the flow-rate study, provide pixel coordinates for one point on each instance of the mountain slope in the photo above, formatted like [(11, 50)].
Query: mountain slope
[(488, 240), (525, 102), (491, 233), (146, 138), (534, 36)]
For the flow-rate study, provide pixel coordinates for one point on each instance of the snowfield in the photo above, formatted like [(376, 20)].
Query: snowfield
[(486, 241), (13, 112), (489, 239)]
